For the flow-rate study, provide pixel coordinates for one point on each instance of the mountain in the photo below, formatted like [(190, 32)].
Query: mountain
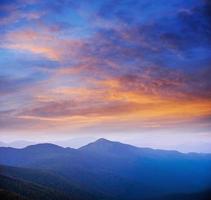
[(29, 190), (7, 195), (105, 147), (30, 154), (75, 142), (163, 171), (112, 170), (47, 179), (203, 195)]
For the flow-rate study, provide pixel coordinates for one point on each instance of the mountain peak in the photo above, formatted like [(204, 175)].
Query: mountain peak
[(102, 140), (101, 143), (46, 146), (104, 146)]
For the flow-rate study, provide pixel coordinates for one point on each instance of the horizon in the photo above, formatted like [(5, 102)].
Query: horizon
[(79, 142)]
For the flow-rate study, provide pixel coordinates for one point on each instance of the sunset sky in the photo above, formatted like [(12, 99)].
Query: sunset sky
[(124, 69)]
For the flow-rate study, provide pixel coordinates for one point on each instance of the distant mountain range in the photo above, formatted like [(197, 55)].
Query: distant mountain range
[(103, 170), (77, 142), (74, 142)]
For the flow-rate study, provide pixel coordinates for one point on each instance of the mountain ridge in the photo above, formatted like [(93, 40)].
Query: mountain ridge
[(99, 141), (114, 170)]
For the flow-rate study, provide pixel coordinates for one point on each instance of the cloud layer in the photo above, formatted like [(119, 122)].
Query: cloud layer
[(108, 65)]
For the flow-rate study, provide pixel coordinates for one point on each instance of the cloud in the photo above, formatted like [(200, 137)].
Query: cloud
[(15, 11), (42, 43), (114, 101), (10, 85), (143, 63)]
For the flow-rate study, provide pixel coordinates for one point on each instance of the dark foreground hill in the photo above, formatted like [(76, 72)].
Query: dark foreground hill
[(28, 190), (109, 170), (203, 195), (46, 179), (8, 195)]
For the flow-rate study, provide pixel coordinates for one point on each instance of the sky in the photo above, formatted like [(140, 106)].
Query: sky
[(138, 71)]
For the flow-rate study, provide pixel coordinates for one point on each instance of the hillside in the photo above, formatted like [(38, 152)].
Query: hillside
[(7, 195), (109, 170), (29, 190), (47, 179)]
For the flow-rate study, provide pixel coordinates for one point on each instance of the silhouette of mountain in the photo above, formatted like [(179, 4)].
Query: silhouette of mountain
[(45, 148), (30, 190), (7, 195), (112, 170), (75, 142), (104, 146), (21, 157), (203, 195), (46, 179)]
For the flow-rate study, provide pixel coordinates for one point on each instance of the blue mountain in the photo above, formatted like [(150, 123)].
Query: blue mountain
[(112, 170)]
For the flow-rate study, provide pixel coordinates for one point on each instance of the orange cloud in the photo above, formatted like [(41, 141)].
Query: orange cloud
[(43, 43), (111, 103)]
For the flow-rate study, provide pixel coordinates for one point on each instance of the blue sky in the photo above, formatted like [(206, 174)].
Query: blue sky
[(111, 68)]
